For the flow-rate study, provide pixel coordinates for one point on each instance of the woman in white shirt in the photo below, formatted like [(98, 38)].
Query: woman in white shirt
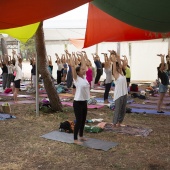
[(120, 93), (80, 99), (17, 79)]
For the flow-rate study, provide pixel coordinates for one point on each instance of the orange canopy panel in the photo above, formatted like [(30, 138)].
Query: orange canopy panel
[(78, 43), (102, 27), (16, 13)]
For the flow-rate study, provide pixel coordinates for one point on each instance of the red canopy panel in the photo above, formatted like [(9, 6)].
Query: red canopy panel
[(102, 27), (16, 13)]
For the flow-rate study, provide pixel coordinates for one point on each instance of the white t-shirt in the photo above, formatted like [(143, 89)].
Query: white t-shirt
[(60, 66), (17, 69), (82, 89), (120, 87), (10, 67)]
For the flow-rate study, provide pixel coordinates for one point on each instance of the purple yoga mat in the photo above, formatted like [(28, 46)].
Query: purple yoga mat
[(88, 106), (145, 106), (156, 101), (134, 110)]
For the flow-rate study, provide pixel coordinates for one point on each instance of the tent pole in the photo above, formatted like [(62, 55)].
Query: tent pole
[(37, 87), (129, 45), (168, 44), (118, 48), (96, 48)]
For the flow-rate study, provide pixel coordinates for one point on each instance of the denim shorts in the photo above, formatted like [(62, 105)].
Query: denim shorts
[(163, 88)]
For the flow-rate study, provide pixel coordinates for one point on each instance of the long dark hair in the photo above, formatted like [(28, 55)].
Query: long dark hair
[(77, 69)]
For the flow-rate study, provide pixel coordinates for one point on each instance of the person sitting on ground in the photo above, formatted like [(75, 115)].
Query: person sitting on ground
[(82, 94), (163, 87), (120, 93)]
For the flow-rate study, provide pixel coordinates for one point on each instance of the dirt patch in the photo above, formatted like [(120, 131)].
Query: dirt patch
[(22, 148)]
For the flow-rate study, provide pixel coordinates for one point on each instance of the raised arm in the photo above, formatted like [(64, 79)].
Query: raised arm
[(162, 61), (73, 68), (114, 60)]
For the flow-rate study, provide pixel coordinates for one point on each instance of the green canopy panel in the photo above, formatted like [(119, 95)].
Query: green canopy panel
[(151, 15)]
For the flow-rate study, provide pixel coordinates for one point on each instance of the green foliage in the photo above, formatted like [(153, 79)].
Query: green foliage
[(28, 48)]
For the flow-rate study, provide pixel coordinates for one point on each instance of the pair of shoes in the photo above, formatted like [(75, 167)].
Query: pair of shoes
[(160, 112)]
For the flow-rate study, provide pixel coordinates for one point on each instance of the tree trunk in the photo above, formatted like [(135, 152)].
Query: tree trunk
[(42, 69), (4, 49)]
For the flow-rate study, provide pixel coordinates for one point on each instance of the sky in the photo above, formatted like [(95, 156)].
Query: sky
[(75, 18)]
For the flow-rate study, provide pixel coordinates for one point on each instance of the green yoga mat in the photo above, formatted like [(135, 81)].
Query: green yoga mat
[(90, 143)]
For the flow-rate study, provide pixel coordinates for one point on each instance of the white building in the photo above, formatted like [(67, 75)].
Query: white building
[(142, 55)]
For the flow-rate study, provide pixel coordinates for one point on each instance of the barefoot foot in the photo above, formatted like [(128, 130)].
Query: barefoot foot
[(77, 142)]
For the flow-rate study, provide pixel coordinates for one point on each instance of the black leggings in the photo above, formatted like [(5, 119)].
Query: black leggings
[(107, 89), (58, 76), (80, 111), (98, 75)]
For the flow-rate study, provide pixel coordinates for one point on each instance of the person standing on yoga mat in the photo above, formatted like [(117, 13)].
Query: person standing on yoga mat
[(120, 93), (82, 94), (163, 87), (18, 77)]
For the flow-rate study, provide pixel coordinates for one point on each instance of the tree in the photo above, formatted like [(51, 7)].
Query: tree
[(42, 69), (28, 48)]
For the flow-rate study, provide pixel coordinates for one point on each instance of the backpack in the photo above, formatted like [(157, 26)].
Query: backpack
[(67, 126), (128, 110), (8, 90), (134, 87)]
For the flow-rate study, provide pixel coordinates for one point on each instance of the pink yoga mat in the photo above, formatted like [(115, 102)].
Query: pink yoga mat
[(88, 106), (9, 94)]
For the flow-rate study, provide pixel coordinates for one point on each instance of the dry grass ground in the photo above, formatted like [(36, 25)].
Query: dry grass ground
[(22, 148)]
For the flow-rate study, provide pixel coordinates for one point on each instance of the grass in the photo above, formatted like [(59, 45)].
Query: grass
[(22, 148)]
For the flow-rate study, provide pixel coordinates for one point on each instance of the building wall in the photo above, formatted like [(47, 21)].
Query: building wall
[(143, 61)]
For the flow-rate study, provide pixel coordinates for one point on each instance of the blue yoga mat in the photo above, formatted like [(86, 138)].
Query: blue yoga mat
[(134, 110), (4, 116), (101, 100), (90, 143)]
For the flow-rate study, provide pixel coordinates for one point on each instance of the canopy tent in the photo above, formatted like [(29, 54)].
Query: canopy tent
[(23, 33), (16, 13), (102, 27), (152, 15)]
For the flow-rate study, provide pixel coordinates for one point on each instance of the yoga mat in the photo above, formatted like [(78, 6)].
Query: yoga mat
[(4, 116), (147, 106), (157, 98), (129, 130), (100, 91), (88, 106), (145, 111), (19, 102), (101, 100), (9, 94), (90, 143), (156, 101), (66, 94)]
